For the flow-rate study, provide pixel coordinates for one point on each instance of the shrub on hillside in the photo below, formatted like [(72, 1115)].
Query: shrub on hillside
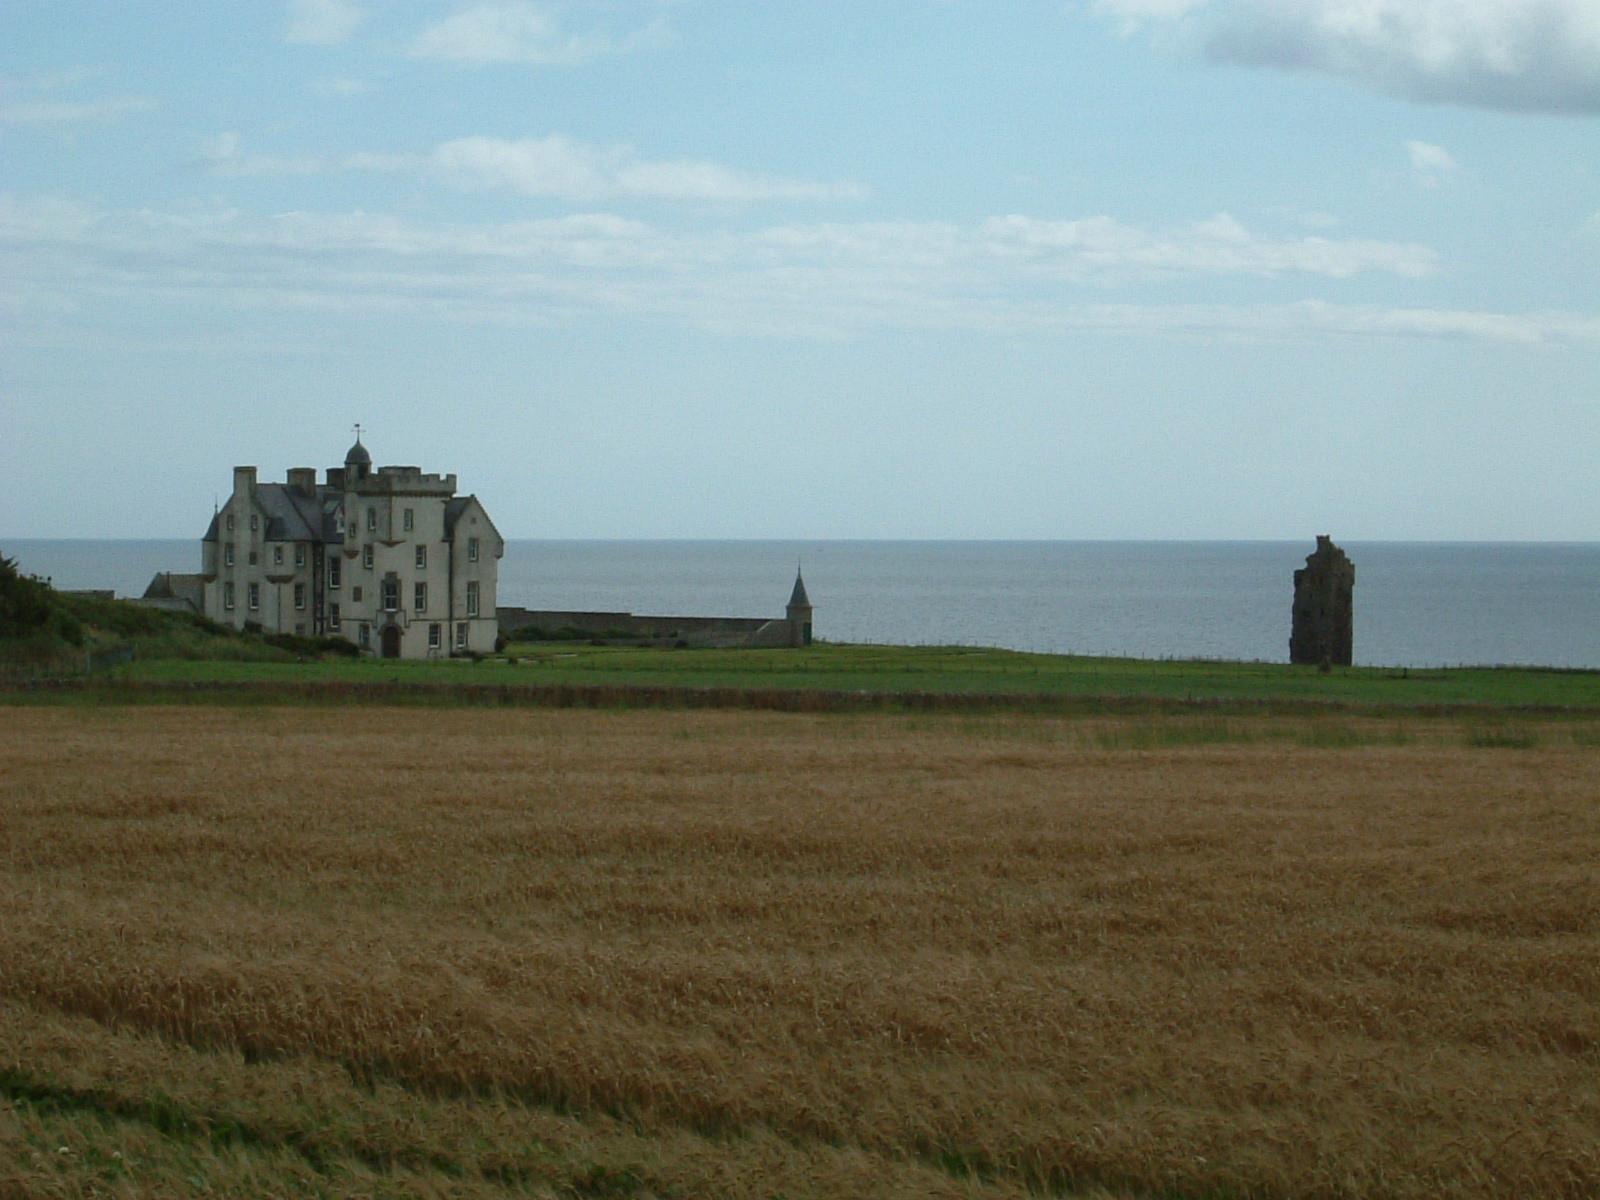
[(30, 608), (313, 647), (118, 616)]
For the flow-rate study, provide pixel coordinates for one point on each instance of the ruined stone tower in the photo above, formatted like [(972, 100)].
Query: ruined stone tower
[(1323, 607)]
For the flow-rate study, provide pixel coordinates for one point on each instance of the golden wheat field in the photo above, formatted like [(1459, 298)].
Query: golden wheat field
[(363, 952)]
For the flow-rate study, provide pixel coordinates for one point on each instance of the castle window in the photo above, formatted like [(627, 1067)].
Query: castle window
[(333, 617), (472, 598), (253, 558), (391, 595), (372, 518), (408, 519), (230, 522), (227, 555), (335, 570), (472, 549), (422, 558), (277, 556), (366, 556), (350, 532), (435, 636), (227, 595), (461, 636), (300, 595), (364, 634), (299, 556), (255, 522), (300, 629), (355, 595), (254, 594), (419, 597)]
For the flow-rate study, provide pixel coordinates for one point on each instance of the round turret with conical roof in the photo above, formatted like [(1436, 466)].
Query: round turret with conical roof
[(357, 462)]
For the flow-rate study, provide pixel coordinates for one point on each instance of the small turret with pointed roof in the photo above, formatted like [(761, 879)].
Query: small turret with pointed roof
[(799, 613)]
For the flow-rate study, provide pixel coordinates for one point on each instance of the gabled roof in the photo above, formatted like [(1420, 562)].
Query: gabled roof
[(291, 517), (453, 510)]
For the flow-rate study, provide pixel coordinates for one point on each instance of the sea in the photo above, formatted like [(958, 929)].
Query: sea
[(1417, 604)]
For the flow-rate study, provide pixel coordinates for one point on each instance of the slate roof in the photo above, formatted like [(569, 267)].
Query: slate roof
[(453, 509), (798, 597), (291, 517)]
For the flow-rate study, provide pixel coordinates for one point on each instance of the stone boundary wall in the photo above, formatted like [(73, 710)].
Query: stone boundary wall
[(717, 632)]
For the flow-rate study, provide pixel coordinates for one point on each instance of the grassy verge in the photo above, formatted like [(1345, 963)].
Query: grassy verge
[(907, 670)]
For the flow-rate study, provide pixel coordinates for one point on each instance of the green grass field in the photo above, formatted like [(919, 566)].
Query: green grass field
[(922, 669)]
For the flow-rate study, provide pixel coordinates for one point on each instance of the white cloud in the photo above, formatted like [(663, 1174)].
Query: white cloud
[(340, 86), (323, 22), (367, 160), (38, 100), (1012, 274), (575, 170), (1521, 55), (1219, 246), (517, 31), (1148, 10), (554, 166), (225, 155), (1430, 165), (69, 112), (1320, 319)]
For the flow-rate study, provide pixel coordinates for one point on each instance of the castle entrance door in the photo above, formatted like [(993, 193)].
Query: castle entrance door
[(391, 641)]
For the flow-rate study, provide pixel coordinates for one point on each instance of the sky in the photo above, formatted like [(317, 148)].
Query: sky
[(1076, 269)]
